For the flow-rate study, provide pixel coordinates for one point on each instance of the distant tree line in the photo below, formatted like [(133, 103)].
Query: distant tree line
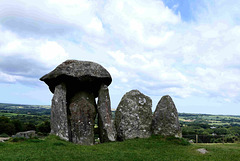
[(34, 119), (11, 127), (209, 133)]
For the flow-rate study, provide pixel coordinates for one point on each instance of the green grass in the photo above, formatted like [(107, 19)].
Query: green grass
[(10, 114), (154, 148), (215, 120), (17, 114)]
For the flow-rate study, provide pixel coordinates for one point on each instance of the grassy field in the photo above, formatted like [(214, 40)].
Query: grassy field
[(154, 148), (220, 120)]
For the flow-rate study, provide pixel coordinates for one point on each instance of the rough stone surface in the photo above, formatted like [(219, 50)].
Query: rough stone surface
[(106, 129), (165, 119), (59, 123), (3, 139), (82, 116), (78, 71), (26, 134), (75, 85), (133, 116), (202, 151)]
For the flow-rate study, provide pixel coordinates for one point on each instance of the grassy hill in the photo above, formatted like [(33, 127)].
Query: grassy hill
[(154, 148)]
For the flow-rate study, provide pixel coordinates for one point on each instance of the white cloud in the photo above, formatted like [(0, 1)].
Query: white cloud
[(115, 73), (218, 83), (24, 58), (51, 53), (215, 11), (95, 25), (6, 78), (47, 52), (197, 59), (143, 44), (149, 74), (143, 22), (119, 57), (50, 16)]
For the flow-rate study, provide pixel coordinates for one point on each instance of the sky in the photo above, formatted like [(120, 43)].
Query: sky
[(188, 49)]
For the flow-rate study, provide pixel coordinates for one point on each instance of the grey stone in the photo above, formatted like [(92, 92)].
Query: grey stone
[(82, 116), (75, 102), (202, 150), (133, 116), (3, 139), (90, 74), (26, 134), (59, 122), (106, 127), (165, 119)]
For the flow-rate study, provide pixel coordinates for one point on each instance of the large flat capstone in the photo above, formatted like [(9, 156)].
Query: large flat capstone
[(74, 72)]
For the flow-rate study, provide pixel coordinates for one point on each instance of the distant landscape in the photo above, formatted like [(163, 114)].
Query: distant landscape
[(209, 128), (17, 117), (213, 129)]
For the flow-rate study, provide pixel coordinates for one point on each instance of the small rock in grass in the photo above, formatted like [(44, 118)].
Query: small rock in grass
[(202, 151)]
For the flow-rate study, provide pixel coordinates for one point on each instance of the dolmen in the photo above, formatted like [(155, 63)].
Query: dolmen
[(75, 85)]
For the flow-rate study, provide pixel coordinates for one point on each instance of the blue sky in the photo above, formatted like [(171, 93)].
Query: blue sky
[(187, 49), (185, 8)]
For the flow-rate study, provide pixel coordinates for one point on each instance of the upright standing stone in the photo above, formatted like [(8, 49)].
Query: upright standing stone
[(82, 116), (165, 119), (59, 123), (106, 129), (133, 116)]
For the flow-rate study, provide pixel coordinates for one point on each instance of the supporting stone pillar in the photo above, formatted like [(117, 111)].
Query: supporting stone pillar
[(107, 131), (82, 115), (59, 123)]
